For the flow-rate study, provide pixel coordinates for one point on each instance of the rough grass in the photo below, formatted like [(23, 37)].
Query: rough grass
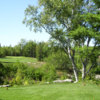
[(72, 91), (18, 59)]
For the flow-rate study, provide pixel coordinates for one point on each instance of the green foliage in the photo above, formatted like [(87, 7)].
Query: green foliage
[(59, 60), (29, 50), (38, 74), (23, 48), (97, 2), (56, 62), (97, 70), (30, 73), (2, 72), (49, 73), (72, 23), (19, 73), (82, 33), (2, 53), (42, 51)]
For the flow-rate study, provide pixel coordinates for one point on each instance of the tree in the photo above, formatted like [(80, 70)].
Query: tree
[(86, 33), (18, 49), (2, 52), (39, 51), (21, 45), (42, 50), (29, 50), (68, 22)]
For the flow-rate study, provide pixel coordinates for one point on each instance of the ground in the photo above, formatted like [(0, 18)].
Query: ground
[(63, 91), (11, 59), (42, 91), (27, 60)]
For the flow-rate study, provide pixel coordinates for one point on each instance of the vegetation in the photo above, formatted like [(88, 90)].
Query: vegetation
[(72, 53), (73, 49), (29, 49), (73, 24), (78, 91)]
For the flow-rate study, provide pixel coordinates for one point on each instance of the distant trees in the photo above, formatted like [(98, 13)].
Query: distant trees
[(29, 49), (42, 50), (2, 52)]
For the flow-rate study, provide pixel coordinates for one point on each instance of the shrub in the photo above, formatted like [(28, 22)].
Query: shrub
[(49, 72), (30, 73), (39, 74), (97, 70), (2, 73), (60, 61)]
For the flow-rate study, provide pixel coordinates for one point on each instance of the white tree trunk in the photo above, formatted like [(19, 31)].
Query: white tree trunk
[(83, 72), (74, 65)]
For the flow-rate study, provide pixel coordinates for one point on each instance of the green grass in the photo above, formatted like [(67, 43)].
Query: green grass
[(18, 59), (52, 92)]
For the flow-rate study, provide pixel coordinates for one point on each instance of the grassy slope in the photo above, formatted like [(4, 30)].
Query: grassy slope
[(18, 59), (52, 92)]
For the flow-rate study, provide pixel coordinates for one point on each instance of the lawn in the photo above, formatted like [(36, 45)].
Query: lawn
[(52, 92), (18, 59)]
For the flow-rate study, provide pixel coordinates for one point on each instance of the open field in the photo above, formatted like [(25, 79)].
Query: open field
[(64, 91), (18, 59), (27, 60)]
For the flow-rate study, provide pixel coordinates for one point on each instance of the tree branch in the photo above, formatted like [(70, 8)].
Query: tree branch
[(90, 68)]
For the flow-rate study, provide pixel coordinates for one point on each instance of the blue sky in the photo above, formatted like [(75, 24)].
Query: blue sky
[(12, 30)]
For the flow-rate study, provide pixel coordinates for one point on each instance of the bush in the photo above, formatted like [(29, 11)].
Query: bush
[(60, 61), (30, 73), (19, 73), (14, 73), (2, 73), (38, 74), (49, 73), (97, 70)]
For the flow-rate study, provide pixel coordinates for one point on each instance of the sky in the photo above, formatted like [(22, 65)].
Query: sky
[(12, 30)]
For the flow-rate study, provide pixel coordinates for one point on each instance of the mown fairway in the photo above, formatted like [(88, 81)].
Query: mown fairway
[(18, 59), (52, 92)]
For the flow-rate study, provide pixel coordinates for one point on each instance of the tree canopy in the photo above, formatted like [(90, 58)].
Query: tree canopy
[(75, 24)]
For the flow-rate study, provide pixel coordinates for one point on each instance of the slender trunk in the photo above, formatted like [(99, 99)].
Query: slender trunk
[(73, 64), (75, 70), (83, 72), (90, 68), (84, 64)]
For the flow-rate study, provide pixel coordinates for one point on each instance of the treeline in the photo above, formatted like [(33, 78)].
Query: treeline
[(30, 48)]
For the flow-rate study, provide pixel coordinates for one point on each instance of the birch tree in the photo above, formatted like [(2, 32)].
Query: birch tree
[(64, 20)]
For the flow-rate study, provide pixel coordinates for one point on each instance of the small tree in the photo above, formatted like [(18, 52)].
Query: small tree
[(39, 51), (29, 49)]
